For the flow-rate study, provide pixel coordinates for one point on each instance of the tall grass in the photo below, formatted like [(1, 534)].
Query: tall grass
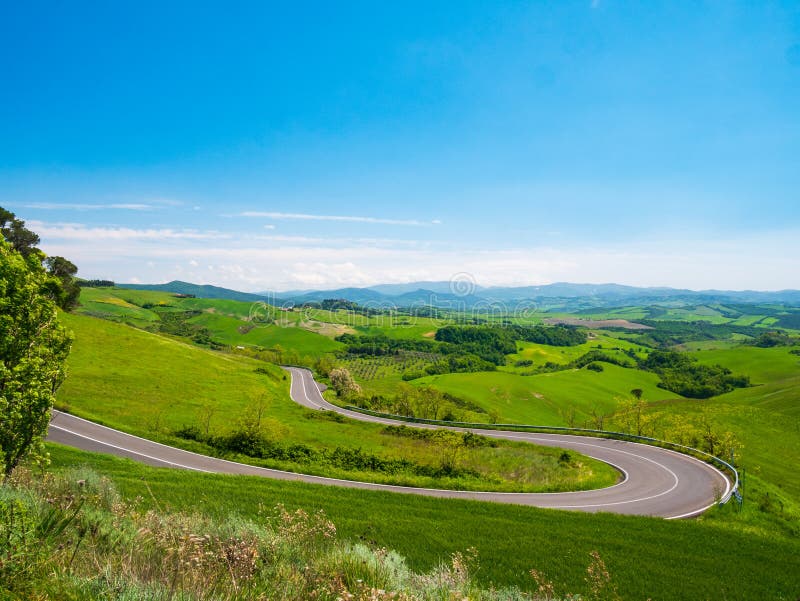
[(72, 536), (730, 554)]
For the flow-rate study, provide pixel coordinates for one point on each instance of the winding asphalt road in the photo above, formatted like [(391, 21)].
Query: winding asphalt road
[(654, 481)]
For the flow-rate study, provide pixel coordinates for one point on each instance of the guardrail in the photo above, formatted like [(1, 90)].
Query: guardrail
[(733, 473)]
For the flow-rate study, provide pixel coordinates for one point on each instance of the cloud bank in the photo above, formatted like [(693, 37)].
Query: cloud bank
[(258, 262)]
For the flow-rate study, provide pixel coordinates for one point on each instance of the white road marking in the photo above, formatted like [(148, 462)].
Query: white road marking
[(676, 479), (395, 488), (113, 446)]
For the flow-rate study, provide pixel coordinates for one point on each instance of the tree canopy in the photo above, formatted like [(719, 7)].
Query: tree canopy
[(20, 238), (33, 350), (62, 286)]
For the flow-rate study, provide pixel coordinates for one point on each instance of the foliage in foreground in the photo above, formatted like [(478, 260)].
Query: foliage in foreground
[(650, 558), (73, 536), (33, 349)]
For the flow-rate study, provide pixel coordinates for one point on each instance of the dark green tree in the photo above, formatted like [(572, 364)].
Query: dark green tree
[(66, 291), (20, 238)]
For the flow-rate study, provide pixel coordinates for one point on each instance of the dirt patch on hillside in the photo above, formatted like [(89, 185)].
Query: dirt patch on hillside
[(596, 323), (331, 330)]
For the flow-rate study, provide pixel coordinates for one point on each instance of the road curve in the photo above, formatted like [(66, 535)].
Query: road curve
[(655, 482)]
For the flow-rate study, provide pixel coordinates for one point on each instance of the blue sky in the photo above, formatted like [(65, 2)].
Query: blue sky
[(268, 146)]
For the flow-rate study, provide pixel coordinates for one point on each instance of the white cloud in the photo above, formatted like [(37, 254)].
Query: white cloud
[(247, 262), (349, 218), (79, 232), (72, 206)]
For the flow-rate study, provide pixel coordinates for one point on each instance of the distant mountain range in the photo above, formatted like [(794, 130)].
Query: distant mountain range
[(198, 290), (562, 295)]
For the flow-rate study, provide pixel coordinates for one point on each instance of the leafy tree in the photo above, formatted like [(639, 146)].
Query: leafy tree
[(771, 339), (20, 238), (63, 287), (33, 349), (67, 290), (96, 283), (598, 419), (325, 364), (634, 418), (344, 384)]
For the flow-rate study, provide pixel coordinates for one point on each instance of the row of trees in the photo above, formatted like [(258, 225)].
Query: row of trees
[(463, 348), (424, 402), (494, 342), (700, 431)]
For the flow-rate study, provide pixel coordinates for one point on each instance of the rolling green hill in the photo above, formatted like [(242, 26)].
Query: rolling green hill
[(155, 386), (203, 291), (544, 399), (233, 331)]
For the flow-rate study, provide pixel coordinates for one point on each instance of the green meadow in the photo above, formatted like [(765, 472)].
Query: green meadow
[(539, 354), (647, 558), (545, 399), (233, 331)]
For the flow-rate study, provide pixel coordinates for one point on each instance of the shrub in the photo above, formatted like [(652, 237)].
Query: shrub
[(681, 374)]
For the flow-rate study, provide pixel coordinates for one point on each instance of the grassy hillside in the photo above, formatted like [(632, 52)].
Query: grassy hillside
[(764, 418), (233, 331), (763, 365), (228, 321), (153, 386), (545, 399), (647, 558), (99, 302), (539, 354)]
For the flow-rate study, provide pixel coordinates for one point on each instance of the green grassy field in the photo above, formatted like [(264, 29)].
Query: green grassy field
[(152, 385), (763, 365), (765, 417), (304, 331), (543, 353), (99, 302), (544, 399), (233, 331), (648, 558), (765, 315)]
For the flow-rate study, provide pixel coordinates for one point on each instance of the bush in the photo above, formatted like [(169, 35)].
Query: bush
[(252, 444), (772, 339), (681, 374)]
